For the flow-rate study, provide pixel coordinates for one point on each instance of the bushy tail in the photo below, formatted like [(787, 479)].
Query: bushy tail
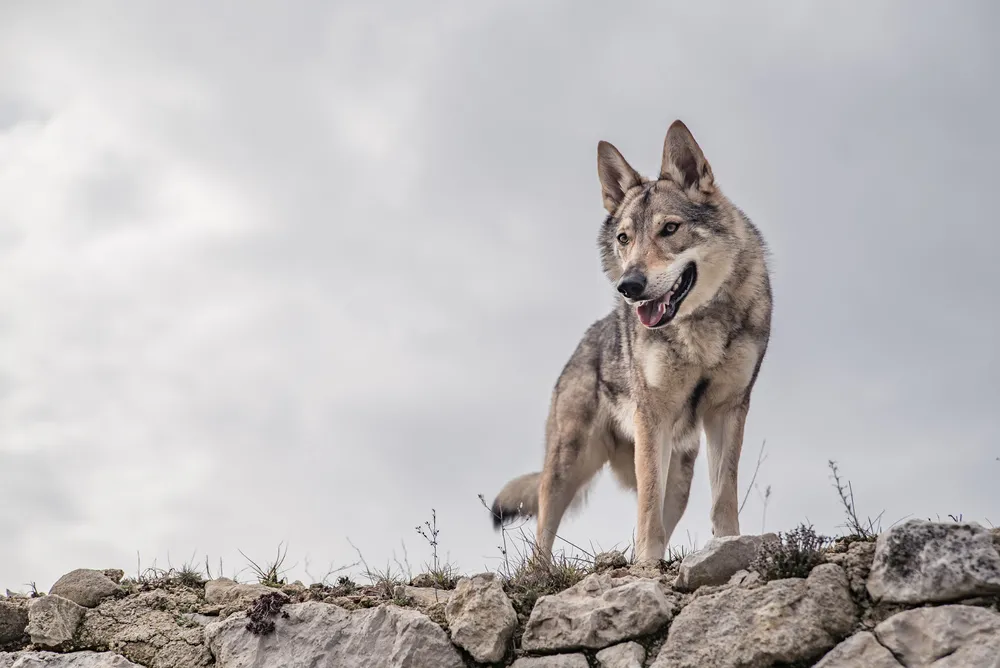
[(517, 499)]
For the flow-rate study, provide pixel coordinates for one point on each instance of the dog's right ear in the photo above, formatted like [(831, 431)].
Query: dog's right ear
[(617, 176)]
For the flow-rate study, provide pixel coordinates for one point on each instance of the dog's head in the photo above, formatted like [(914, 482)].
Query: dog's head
[(668, 244)]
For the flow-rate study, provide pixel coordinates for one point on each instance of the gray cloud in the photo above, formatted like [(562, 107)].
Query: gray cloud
[(305, 275)]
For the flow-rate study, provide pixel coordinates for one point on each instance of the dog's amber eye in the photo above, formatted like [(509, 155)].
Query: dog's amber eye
[(623, 238), (669, 229)]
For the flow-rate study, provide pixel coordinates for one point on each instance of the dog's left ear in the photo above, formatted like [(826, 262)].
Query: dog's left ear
[(685, 164)]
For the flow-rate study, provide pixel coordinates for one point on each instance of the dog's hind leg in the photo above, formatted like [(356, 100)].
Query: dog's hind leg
[(572, 459)]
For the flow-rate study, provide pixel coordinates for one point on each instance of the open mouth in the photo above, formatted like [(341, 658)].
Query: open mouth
[(658, 312)]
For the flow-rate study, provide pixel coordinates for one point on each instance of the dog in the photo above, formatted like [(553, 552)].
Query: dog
[(678, 354)]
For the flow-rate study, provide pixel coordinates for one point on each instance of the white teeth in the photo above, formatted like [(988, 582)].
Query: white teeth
[(662, 308)]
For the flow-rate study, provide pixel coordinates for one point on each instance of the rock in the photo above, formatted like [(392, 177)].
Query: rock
[(481, 618), (597, 612), (53, 621), (13, 621), (625, 655), (230, 597), (114, 574), (783, 621), (606, 561), (718, 561), (951, 636), (85, 587), (744, 578), (423, 596), (152, 628), (74, 660), (320, 634), (931, 562), (861, 649), (856, 561), (554, 661)]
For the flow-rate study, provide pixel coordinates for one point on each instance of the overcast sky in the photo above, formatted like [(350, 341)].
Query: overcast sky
[(303, 272)]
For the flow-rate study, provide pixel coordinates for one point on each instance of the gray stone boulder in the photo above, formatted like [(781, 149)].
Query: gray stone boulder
[(861, 650), (554, 661), (481, 618), (950, 636), (229, 596), (324, 635), (85, 587), (784, 621), (424, 597), (625, 655), (154, 628), (718, 561), (934, 562), (597, 612), (73, 660), (13, 621), (53, 621)]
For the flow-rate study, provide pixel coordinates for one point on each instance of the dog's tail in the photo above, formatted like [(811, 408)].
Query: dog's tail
[(517, 499)]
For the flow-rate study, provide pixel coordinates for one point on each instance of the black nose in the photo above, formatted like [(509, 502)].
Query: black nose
[(632, 285)]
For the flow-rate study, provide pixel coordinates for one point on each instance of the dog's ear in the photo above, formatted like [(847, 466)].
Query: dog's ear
[(616, 175), (685, 164)]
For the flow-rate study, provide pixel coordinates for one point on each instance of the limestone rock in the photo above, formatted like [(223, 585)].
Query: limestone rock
[(625, 655), (554, 661), (320, 634), (481, 618), (13, 621), (857, 563), (229, 596), (950, 636), (425, 597), (152, 628), (53, 621), (73, 660), (860, 650), (85, 587), (610, 560), (597, 612), (718, 561), (932, 562), (783, 621)]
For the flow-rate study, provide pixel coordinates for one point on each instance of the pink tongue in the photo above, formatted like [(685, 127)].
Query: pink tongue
[(651, 313)]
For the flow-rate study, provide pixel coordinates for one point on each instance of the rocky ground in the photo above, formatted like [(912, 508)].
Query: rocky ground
[(922, 594)]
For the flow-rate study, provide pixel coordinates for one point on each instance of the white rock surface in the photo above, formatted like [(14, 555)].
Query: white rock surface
[(718, 561), (73, 660), (934, 562), (950, 636), (53, 621), (598, 612), (862, 650), (554, 661), (319, 635), (481, 618), (783, 621), (625, 655)]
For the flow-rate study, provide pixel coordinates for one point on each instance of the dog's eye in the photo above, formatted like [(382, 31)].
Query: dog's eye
[(623, 238), (669, 229)]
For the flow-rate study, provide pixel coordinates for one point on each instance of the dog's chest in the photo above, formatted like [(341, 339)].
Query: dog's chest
[(692, 348)]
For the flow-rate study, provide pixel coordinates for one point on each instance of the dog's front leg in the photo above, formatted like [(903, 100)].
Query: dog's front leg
[(724, 434), (649, 474)]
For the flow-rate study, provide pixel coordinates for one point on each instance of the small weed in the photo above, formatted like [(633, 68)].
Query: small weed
[(867, 529), (793, 555), (441, 575), (383, 582), (272, 573)]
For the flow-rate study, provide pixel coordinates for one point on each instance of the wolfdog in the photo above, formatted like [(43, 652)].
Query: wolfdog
[(679, 353)]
